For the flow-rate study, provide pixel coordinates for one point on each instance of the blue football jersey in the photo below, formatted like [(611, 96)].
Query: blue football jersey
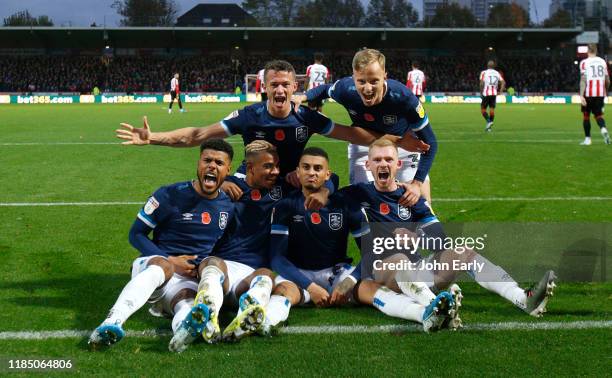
[(316, 239), (247, 239), (399, 112), (290, 135), (185, 223)]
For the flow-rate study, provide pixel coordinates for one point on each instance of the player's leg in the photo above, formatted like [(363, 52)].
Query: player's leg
[(172, 96), (357, 156), (586, 124), (598, 113), (492, 105), (211, 289), (483, 109), (251, 290), (148, 275), (494, 278), (185, 327), (284, 295), (180, 104)]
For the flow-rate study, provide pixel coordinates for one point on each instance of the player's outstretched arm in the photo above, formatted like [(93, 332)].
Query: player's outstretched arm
[(185, 137)]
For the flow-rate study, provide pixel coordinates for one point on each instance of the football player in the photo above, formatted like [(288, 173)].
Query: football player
[(275, 121), (187, 219), (386, 107), (380, 200), (594, 84), (490, 82)]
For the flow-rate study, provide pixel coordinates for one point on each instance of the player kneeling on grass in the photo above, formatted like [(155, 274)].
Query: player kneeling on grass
[(187, 219), (380, 200)]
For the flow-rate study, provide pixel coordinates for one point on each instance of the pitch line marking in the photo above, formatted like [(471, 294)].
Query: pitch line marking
[(466, 199), (333, 329)]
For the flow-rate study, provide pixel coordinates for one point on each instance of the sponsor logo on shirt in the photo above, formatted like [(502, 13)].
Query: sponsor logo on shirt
[(301, 134), (390, 119), (384, 208), (403, 212), (315, 218), (151, 205), (223, 219), (335, 221), (206, 218), (279, 135)]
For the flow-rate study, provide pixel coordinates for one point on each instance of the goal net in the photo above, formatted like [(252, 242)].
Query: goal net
[(253, 96)]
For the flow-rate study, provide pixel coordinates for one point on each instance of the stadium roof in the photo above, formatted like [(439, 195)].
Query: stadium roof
[(281, 38)]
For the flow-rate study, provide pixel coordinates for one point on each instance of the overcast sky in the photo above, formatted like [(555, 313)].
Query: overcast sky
[(84, 12)]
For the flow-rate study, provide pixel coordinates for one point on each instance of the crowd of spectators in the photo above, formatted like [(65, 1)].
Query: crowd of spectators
[(223, 73)]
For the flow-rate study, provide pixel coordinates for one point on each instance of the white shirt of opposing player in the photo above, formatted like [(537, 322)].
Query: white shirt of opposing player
[(317, 75), (260, 77), (491, 80), (416, 79), (174, 84), (595, 70)]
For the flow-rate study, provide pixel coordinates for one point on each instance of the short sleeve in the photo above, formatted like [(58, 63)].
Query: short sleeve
[(156, 210), (235, 122)]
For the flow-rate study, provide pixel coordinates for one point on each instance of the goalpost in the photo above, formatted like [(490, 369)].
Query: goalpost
[(251, 79)]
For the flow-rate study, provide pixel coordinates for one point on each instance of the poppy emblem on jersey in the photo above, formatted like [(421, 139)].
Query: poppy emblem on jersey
[(276, 193), (384, 209), (151, 205), (279, 135), (420, 110), (315, 218), (403, 212), (223, 219), (301, 134), (368, 117), (335, 221), (255, 195), (206, 217), (390, 119)]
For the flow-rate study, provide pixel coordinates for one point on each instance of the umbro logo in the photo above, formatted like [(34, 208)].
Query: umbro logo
[(298, 218), (260, 134), (352, 112)]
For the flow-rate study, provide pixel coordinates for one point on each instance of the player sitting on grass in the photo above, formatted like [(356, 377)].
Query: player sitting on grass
[(383, 106), (187, 219), (240, 258), (275, 121), (308, 248), (380, 200)]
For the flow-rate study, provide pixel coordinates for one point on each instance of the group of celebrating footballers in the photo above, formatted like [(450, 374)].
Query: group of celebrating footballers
[(274, 235)]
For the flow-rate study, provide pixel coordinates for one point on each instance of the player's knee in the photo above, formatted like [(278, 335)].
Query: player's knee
[(264, 272), (288, 290), (163, 263), (212, 261), (182, 294)]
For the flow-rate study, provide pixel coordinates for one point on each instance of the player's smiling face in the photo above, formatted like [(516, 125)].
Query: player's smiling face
[(313, 171), (280, 86), (263, 171), (383, 162), (213, 167), (370, 83)]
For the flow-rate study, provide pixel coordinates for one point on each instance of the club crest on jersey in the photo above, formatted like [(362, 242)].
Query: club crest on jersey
[(420, 110), (279, 135), (315, 218), (276, 193), (255, 195), (206, 217), (301, 134), (151, 205), (223, 219), (403, 212), (368, 117), (384, 208), (390, 119), (335, 221)]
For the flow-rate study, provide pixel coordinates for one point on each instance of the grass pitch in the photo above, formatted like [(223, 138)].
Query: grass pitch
[(63, 266)]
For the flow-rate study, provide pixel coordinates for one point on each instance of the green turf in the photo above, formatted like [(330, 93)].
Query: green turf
[(64, 266)]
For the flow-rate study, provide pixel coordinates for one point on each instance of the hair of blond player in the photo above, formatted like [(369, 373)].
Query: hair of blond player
[(381, 143), (257, 147), (365, 57)]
